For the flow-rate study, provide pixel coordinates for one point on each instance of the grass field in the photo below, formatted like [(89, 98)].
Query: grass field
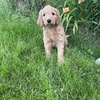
[(25, 74)]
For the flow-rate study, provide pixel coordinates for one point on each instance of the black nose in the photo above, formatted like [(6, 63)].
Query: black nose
[(49, 20)]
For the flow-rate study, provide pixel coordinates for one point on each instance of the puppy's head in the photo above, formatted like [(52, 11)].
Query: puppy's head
[(48, 16)]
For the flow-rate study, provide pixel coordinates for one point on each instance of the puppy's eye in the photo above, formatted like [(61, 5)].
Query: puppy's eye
[(53, 13), (43, 14)]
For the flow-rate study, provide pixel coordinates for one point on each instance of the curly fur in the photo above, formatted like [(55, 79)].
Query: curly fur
[(53, 31)]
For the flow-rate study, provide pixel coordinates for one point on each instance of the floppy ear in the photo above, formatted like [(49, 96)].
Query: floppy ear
[(58, 20), (40, 21)]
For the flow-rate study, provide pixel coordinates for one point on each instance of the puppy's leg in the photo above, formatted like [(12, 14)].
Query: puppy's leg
[(60, 48), (47, 45)]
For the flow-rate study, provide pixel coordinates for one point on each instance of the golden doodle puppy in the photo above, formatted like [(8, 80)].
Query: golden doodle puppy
[(53, 31)]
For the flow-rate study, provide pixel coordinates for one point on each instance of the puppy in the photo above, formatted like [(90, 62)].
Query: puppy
[(53, 31)]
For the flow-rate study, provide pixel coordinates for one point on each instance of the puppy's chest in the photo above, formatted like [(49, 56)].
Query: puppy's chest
[(52, 35), (53, 38)]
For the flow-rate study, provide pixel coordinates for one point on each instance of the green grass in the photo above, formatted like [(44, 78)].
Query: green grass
[(25, 74)]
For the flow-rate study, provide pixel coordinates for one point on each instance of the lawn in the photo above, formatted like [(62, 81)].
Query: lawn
[(25, 74)]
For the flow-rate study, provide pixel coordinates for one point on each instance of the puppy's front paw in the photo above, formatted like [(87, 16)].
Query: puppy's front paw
[(60, 60)]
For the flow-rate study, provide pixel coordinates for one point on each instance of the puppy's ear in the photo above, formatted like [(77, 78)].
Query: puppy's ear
[(58, 20), (40, 21)]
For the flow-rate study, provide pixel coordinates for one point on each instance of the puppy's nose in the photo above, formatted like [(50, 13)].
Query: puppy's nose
[(49, 20)]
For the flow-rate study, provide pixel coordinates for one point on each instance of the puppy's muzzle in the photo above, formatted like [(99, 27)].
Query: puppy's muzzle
[(49, 21)]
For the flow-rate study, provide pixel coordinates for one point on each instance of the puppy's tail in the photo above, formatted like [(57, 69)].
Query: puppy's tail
[(66, 39), (67, 36)]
